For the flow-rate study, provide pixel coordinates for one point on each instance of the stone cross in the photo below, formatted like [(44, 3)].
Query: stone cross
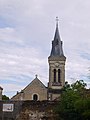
[(36, 75)]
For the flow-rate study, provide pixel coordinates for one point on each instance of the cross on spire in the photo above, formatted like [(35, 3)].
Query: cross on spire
[(57, 19)]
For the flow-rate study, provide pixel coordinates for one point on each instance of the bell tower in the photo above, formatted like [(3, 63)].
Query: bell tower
[(56, 62)]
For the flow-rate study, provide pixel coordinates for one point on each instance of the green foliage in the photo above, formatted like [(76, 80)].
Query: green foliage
[(74, 103), (83, 107), (4, 97)]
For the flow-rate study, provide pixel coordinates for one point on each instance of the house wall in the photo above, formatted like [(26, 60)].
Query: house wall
[(0, 94)]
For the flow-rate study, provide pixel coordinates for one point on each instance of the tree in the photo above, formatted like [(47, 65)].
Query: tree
[(4, 97), (74, 103), (83, 108)]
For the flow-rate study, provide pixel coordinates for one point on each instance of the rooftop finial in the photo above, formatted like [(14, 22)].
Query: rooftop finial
[(36, 75), (57, 21)]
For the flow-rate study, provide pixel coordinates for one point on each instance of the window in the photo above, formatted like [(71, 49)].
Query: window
[(59, 75), (35, 97), (57, 42), (54, 75)]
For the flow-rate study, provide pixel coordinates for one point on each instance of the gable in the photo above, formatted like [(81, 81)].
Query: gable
[(36, 83), (36, 87)]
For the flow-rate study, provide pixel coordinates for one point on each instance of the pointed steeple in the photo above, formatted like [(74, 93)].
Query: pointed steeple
[(57, 49), (57, 30), (56, 62)]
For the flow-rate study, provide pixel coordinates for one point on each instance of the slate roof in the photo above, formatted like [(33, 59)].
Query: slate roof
[(57, 49)]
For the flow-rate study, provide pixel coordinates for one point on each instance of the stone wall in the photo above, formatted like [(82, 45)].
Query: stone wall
[(29, 110), (10, 115), (32, 110)]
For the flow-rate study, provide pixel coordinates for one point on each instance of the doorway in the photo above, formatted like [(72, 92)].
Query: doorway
[(35, 97)]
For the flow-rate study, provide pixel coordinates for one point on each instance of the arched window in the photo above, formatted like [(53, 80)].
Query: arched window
[(54, 75), (59, 75), (35, 97)]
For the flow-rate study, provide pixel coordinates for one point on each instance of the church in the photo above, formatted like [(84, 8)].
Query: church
[(36, 90)]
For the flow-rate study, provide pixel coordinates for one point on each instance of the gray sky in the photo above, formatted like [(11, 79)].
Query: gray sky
[(27, 29)]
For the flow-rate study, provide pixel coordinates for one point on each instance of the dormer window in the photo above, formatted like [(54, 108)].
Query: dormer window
[(57, 42)]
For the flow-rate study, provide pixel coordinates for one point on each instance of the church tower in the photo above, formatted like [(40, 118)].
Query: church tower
[(56, 62)]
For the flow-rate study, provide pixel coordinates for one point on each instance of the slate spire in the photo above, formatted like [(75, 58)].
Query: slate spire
[(57, 49)]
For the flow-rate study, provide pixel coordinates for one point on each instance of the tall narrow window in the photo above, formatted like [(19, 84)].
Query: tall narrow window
[(59, 75), (54, 75)]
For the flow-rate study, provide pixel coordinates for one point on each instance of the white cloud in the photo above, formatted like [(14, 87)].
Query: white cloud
[(9, 35), (26, 31)]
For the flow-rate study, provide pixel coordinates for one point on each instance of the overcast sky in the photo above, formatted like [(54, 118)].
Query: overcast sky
[(27, 29)]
